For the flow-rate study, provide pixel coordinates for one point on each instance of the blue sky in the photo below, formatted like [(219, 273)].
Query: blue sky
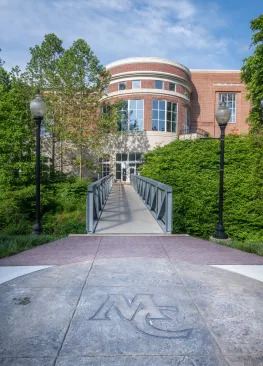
[(201, 34)]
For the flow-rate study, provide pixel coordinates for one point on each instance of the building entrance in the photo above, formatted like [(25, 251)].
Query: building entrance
[(127, 164)]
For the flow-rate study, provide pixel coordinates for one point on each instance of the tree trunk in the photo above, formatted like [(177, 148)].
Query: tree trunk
[(80, 163), (53, 152), (61, 156)]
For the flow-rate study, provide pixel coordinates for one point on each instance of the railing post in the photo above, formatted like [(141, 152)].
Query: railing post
[(97, 196), (90, 213), (169, 212)]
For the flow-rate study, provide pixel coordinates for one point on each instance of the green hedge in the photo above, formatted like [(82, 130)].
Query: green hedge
[(63, 208), (195, 190)]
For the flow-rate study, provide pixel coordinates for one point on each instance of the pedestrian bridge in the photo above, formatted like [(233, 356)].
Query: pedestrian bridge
[(142, 207)]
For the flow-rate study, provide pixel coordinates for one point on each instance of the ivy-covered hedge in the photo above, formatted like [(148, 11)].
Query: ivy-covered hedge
[(195, 190)]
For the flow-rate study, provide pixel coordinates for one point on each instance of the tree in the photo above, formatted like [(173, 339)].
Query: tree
[(17, 143), (252, 75), (42, 73), (83, 81)]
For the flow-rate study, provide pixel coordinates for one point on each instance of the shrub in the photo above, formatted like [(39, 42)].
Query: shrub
[(63, 208), (195, 190)]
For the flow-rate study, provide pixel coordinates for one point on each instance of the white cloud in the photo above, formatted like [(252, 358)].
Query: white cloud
[(175, 29), (183, 9)]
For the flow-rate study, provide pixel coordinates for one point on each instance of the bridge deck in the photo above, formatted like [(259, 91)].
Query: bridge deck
[(125, 213)]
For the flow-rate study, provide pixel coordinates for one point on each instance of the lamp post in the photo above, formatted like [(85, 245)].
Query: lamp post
[(261, 105), (38, 109), (222, 117)]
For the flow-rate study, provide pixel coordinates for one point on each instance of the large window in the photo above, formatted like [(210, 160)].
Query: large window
[(164, 116), (230, 100), (131, 115), (171, 117)]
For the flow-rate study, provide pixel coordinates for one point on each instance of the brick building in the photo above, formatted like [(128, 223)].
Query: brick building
[(164, 101)]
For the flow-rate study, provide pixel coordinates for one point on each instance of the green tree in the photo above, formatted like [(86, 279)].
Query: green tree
[(42, 73), (17, 143), (252, 75), (83, 81)]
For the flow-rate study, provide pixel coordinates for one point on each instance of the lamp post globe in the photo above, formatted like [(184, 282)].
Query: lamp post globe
[(222, 115), (38, 109)]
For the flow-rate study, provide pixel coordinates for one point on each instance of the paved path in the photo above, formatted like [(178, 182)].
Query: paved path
[(125, 212), (132, 301), (74, 249)]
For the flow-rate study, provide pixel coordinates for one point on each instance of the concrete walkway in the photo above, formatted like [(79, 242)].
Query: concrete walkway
[(125, 213), (131, 301)]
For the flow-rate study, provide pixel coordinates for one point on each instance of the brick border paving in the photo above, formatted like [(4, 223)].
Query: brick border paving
[(74, 249)]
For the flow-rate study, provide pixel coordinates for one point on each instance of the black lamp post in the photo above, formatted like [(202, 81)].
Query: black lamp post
[(261, 105), (222, 118), (38, 109)]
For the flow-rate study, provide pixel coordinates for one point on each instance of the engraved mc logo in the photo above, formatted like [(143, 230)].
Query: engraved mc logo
[(142, 312)]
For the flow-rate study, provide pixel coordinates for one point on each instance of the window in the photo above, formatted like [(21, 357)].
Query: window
[(122, 85), (158, 84), (171, 117), (127, 163), (230, 100), (187, 93), (164, 116), (136, 84), (104, 162), (105, 108), (131, 115), (171, 87), (188, 117)]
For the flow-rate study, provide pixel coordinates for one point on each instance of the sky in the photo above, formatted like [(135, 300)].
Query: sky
[(200, 34)]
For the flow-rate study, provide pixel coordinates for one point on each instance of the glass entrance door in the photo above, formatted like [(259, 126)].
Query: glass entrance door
[(127, 164)]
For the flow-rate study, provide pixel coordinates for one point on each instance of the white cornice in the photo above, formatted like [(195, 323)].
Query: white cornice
[(161, 92), (158, 60), (228, 84), (215, 71)]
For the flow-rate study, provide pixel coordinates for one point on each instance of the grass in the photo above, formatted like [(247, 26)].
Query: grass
[(12, 244), (256, 248)]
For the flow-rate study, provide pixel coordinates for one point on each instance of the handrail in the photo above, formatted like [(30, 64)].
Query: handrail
[(157, 197), (98, 193)]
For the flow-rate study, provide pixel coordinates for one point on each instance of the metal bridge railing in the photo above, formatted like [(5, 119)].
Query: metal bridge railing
[(98, 193), (157, 198)]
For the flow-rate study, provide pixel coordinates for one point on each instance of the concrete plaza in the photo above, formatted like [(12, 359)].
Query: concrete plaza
[(131, 300)]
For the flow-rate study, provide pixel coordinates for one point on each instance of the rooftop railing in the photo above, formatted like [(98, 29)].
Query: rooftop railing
[(157, 198), (193, 130), (98, 193)]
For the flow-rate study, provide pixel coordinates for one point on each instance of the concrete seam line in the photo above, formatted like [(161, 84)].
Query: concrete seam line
[(74, 311)]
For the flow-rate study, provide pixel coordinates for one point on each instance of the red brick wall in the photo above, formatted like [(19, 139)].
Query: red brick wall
[(206, 86), (149, 67), (205, 96)]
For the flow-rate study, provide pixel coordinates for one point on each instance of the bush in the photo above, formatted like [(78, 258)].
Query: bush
[(63, 208), (195, 190), (65, 223)]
